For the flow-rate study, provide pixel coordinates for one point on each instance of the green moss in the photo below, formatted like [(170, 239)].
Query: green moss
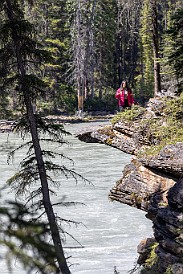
[(109, 141), (158, 131), (129, 115), (153, 257), (151, 264), (166, 130), (106, 130), (162, 204), (135, 198), (169, 270), (174, 108)]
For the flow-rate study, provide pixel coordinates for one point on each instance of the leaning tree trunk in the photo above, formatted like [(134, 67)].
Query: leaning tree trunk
[(37, 148)]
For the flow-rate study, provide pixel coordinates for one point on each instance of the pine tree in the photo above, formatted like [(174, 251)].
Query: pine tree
[(146, 51), (50, 19), (22, 54), (26, 239), (176, 55), (127, 34), (92, 25), (155, 43)]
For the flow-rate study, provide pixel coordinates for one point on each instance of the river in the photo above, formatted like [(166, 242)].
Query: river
[(109, 232)]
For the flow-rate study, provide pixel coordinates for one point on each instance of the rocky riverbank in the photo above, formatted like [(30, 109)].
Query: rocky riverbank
[(8, 125), (152, 181)]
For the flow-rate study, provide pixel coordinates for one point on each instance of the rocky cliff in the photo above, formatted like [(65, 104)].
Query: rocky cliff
[(153, 180)]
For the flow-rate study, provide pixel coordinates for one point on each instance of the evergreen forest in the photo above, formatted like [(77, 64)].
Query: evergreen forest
[(89, 48)]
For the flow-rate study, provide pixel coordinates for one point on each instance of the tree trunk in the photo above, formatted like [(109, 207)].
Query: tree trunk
[(37, 148), (157, 78)]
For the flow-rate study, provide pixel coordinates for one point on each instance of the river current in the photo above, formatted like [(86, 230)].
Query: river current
[(107, 233)]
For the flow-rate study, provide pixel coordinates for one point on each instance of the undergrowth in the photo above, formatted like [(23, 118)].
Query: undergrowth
[(158, 131), (129, 115)]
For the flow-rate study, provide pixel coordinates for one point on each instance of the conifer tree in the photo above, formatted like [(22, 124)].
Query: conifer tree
[(22, 54), (146, 51), (26, 239), (175, 33), (92, 25), (105, 26), (166, 42), (127, 40), (155, 43)]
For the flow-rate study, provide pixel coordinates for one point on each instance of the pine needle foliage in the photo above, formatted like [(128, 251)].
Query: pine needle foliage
[(175, 33), (26, 239)]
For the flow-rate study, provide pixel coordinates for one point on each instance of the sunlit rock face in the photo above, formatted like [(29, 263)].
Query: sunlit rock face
[(169, 160), (145, 182), (142, 187)]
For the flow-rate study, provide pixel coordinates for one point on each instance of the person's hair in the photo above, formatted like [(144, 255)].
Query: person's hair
[(124, 81)]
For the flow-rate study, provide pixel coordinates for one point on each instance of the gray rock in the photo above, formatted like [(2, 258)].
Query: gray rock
[(169, 160), (175, 196)]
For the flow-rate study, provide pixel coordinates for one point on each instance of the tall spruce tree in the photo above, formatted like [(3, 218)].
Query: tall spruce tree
[(146, 51), (23, 54), (175, 33)]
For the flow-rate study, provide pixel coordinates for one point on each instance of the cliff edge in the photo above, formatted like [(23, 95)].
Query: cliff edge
[(153, 181)]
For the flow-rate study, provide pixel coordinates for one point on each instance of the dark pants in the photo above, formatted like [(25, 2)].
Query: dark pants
[(126, 105)]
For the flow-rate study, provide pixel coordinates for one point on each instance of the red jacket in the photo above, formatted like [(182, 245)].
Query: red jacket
[(120, 95)]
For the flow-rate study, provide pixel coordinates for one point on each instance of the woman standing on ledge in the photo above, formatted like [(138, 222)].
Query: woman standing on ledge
[(124, 96)]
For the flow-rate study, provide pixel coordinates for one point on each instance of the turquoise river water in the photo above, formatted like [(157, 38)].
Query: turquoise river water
[(109, 232)]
